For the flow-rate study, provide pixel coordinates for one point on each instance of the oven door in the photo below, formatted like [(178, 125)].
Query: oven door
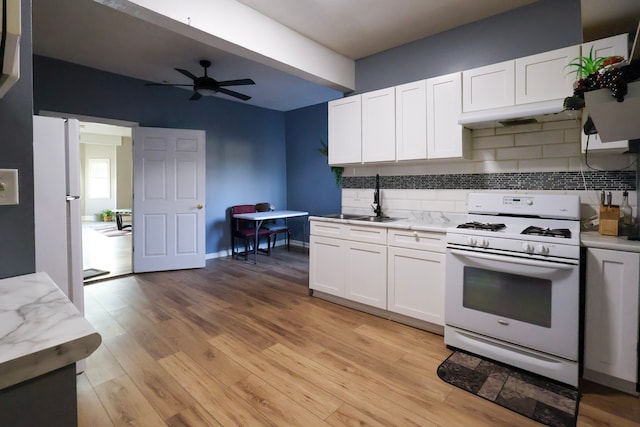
[(527, 302)]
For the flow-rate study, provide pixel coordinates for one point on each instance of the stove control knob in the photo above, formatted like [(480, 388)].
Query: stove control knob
[(529, 202), (542, 250), (484, 243), (472, 241), (527, 247)]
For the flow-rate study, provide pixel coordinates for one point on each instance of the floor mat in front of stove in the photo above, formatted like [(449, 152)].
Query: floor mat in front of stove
[(528, 394)]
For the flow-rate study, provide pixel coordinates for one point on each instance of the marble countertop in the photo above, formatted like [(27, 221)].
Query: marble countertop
[(40, 329), (428, 221), (593, 239)]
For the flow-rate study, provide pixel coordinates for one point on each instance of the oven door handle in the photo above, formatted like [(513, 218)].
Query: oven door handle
[(514, 260)]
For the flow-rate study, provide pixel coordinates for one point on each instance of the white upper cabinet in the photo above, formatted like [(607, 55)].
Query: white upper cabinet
[(616, 45), (611, 46), (491, 86), (445, 137), (535, 78), (379, 125), (411, 121), (345, 130), (545, 76)]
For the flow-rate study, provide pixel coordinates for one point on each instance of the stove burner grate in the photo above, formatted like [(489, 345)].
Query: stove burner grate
[(548, 232), (475, 225)]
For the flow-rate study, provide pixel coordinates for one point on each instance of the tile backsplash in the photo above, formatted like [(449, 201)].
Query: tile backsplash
[(520, 159)]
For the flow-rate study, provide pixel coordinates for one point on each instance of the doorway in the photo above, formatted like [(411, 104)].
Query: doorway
[(106, 176)]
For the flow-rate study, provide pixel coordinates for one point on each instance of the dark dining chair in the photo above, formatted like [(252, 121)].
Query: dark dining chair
[(273, 226), (246, 231)]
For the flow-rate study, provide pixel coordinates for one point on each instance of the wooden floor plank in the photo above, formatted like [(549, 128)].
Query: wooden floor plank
[(220, 401), (376, 406), (274, 404), (304, 393), (91, 412), (161, 391), (247, 345), (125, 404)]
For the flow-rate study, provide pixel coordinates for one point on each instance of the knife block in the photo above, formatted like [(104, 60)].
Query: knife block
[(609, 216)]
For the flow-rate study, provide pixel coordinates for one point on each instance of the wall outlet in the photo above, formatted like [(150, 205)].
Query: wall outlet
[(8, 186)]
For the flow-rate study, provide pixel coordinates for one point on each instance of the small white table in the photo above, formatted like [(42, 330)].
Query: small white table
[(260, 217)]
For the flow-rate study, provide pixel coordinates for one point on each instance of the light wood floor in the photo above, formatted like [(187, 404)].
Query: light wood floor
[(112, 254), (242, 344)]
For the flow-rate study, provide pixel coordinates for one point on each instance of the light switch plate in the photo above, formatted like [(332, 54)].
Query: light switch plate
[(8, 186)]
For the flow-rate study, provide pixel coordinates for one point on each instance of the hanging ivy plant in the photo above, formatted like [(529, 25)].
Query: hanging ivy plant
[(336, 170)]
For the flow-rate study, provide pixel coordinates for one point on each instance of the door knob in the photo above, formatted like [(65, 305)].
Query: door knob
[(200, 206)]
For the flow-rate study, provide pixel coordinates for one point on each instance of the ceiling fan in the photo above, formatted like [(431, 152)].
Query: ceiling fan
[(207, 86)]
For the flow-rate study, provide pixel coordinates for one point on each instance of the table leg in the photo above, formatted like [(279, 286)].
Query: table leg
[(257, 242)]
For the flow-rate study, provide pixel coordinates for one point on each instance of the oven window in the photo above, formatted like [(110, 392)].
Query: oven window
[(523, 298)]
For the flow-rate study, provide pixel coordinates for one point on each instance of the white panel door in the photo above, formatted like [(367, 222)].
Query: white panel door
[(610, 46), (416, 284), (168, 199), (446, 139), (379, 125), (545, 76), (411, 121), (366, 273), (491, 86), (611, 313), (345, 130)]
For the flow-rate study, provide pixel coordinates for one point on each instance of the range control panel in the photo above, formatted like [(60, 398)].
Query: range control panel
[(517, 201)]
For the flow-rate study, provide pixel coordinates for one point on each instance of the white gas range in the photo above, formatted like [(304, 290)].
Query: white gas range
[(513, 282)]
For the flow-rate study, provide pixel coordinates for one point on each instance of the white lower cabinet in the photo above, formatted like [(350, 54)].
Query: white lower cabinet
[(396, 270), (326, 265), (366, 273), (611, 317), (349, 262), (415, 282)]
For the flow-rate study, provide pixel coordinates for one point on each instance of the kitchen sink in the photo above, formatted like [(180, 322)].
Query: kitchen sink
[(378, 219), (345, 216), (367, 218)]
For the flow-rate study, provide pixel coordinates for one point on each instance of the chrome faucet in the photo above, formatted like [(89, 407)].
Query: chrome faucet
[(377, 206)]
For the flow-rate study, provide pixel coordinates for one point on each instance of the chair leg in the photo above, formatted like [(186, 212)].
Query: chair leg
[(288, 241)]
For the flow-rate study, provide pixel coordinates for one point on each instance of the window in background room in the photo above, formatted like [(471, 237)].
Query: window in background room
[(99, 183)]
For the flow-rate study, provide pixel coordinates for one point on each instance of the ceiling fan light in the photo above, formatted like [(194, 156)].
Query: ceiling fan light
[(206, 91)]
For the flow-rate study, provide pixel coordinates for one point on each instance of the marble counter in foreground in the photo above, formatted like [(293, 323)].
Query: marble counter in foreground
[(40, 329)]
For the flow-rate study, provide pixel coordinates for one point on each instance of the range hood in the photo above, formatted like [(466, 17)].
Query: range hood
[(535, 112)]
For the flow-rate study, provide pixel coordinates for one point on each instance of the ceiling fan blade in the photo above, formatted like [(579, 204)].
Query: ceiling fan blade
[(186, 73), (239, 82), (167, 84), (195, 96), (234, 94)]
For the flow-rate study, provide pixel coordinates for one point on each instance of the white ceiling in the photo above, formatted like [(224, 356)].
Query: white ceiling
[(88, 33)]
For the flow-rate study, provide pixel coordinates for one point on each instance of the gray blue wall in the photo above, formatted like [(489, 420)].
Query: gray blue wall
[(17, 249), (542, 26), (245, 145), (310, 184)]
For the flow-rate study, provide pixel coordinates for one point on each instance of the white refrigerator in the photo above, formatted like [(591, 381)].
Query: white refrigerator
[(57, 210)]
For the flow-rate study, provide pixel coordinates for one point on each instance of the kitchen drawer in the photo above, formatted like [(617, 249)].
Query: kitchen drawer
[(328, 229), (423, 240), (376, 235)]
